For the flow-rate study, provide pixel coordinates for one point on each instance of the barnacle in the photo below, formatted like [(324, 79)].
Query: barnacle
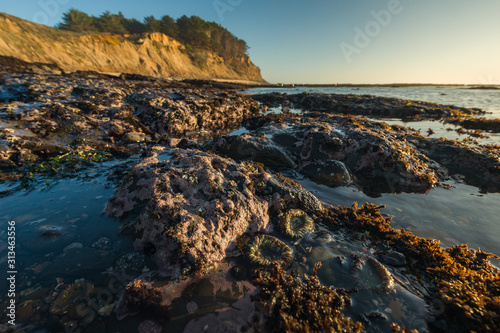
[(295, 223), (232, 185), (192, 179), (264, 250)]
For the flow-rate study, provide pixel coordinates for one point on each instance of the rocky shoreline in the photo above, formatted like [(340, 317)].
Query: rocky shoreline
[(208, 205)]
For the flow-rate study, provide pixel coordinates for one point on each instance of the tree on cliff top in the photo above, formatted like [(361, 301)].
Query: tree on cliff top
[(114, 24), (193, 31), (75, 20)]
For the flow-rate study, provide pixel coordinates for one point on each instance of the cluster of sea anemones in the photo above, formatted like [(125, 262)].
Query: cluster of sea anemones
[(264, 250), (295, 223)]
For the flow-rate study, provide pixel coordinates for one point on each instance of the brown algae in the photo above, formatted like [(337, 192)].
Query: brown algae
[(462, 280), (292, 304)]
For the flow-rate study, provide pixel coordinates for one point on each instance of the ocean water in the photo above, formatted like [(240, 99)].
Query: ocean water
[(486, 99), (461, 214)]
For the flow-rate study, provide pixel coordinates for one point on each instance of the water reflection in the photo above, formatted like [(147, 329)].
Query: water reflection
[(457, 215)]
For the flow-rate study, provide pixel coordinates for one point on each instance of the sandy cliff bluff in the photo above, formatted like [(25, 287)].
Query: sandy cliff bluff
[(154, 54)]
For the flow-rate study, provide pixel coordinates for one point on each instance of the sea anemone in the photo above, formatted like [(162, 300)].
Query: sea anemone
[(74, 294), (370, 274), (295, 223), (264, 250)]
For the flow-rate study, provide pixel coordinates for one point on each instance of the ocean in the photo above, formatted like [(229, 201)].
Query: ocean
[(461, 214), (486, 99)]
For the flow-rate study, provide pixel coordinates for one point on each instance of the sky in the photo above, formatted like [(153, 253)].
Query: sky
[(333, 41)]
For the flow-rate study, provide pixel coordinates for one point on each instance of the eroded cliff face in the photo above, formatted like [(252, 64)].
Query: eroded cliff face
[(154, 54)]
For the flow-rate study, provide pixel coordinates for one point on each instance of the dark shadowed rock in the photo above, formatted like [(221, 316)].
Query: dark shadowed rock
[(366, 105), (394, 258), (480, 164), (380, 156), (330, 172), (7, 165), (258, 149)]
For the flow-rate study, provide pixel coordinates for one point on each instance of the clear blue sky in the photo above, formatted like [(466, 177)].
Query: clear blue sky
[(326, 41)]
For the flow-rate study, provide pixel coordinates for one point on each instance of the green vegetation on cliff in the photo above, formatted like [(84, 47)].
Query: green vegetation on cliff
[(192, 31)]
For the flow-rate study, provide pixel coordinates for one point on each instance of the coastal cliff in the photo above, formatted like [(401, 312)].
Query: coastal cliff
[(152, 54)]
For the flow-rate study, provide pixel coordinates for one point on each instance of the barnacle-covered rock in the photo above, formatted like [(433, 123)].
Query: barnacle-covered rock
[(479, 165), (381, 157), (366, 105), (291, 193), (190, 209), (95, 112)]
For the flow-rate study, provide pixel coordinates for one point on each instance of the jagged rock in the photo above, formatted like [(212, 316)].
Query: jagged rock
[(95, 112), (7, 165), (479, 165), (380, 156), (191, 208), (198, 110)]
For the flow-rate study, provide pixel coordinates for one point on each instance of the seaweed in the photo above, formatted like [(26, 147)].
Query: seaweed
[(70, 162), (463, 279), (292, 304)]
